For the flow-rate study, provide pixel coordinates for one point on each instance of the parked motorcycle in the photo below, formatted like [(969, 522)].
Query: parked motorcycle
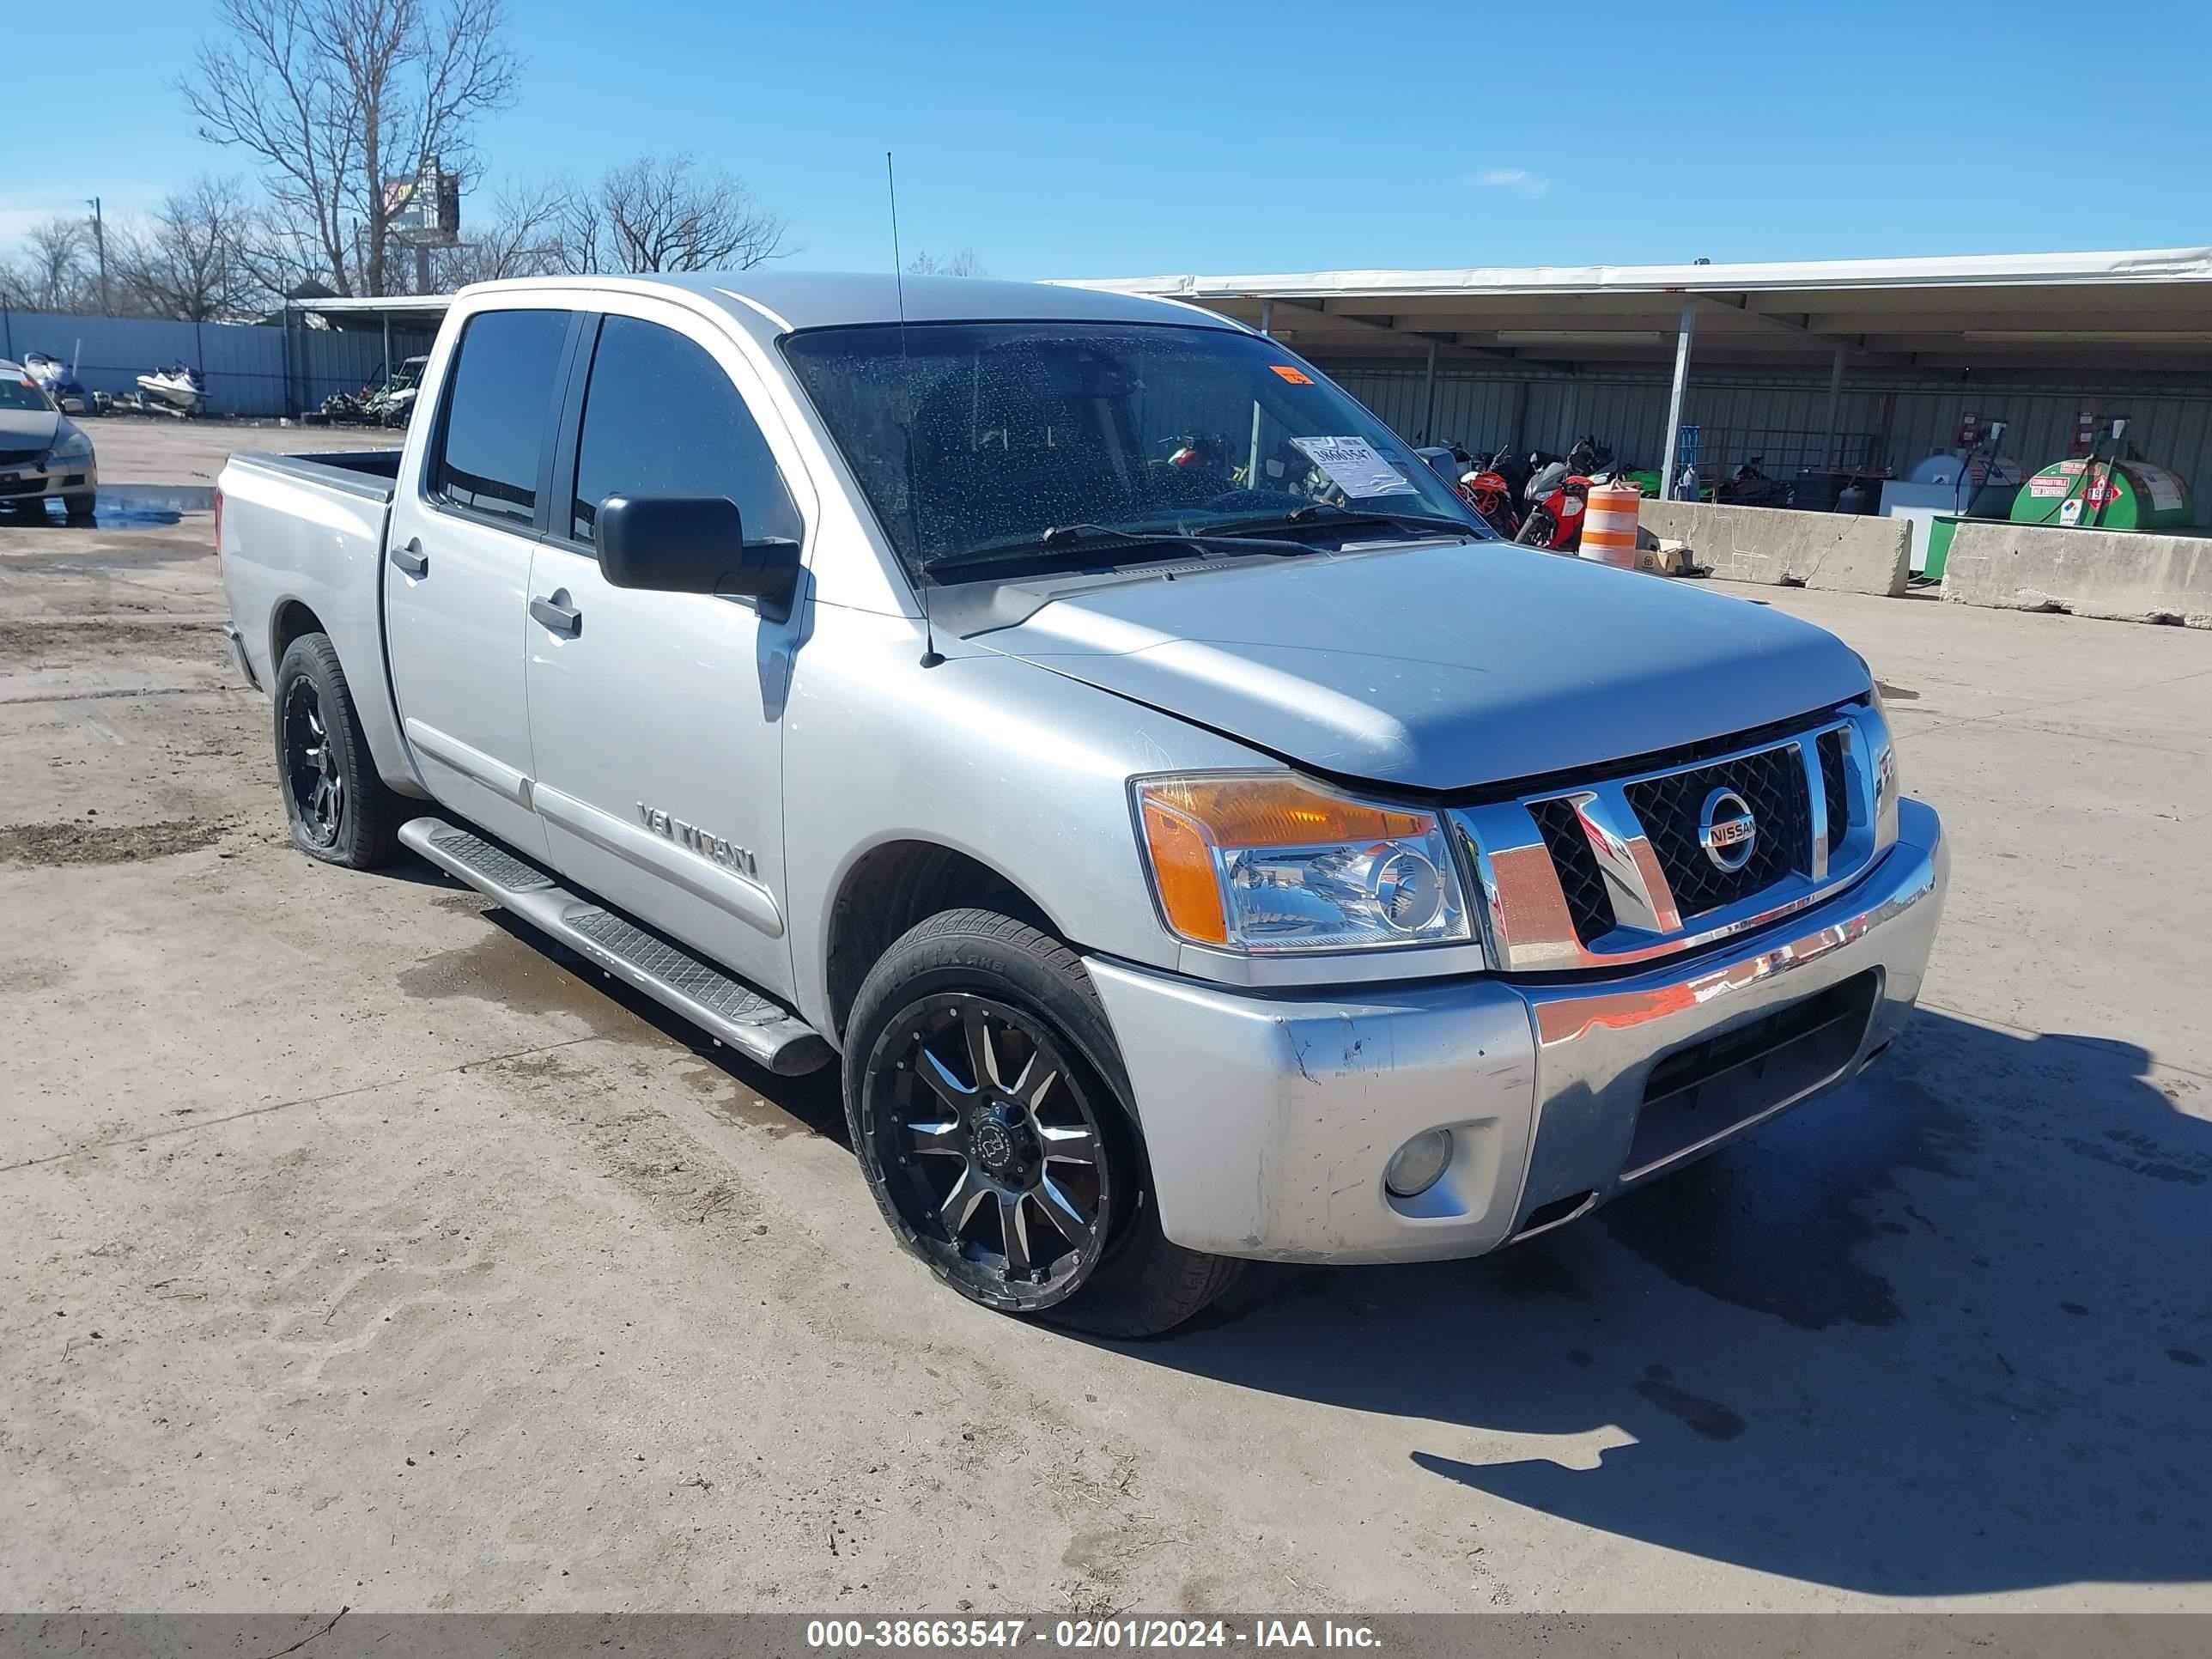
[(1492, 487), (1559, 493), (1749, 486)]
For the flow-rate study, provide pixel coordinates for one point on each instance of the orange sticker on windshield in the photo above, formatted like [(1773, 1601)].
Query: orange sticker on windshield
[(1295, 376)]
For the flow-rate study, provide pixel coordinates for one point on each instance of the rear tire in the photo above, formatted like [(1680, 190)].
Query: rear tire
[(1029, 1192), (340, 811)]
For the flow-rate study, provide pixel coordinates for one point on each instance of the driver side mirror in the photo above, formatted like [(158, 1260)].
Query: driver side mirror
[(692, 544)]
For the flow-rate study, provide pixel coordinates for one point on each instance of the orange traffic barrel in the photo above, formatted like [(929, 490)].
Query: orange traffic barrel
[(1609, 524)]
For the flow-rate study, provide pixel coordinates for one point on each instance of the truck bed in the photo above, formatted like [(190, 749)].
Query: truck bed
[(302, 550), (371, 473)]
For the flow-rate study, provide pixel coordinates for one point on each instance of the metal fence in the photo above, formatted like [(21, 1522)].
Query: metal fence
[(252, 368)]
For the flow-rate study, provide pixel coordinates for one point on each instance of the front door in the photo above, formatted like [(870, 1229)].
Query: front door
[(458, 569), (656, 719)]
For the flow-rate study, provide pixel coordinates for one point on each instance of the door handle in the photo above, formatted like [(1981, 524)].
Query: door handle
[(411, 558), (557, 614)]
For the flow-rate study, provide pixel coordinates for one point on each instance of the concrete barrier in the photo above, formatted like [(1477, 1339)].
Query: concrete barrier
[(2122, 575), (1848, 552)]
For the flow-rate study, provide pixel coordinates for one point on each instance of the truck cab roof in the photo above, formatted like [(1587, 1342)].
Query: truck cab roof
[(772, 304)]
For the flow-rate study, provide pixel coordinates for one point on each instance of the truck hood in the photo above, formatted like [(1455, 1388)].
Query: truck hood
[(1436, 668), (27, 429)]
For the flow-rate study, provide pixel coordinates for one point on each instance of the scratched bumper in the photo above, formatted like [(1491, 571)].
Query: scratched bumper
[(1268, 1118)]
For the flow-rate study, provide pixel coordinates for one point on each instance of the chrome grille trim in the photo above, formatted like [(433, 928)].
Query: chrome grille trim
[(1529, 925)]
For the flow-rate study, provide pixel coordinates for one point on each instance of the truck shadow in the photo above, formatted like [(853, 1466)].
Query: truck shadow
[(1944, 1332)]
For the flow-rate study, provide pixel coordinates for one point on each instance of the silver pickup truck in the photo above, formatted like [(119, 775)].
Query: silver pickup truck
[(1194, 835)]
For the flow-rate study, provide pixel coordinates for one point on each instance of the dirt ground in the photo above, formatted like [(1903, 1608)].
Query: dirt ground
[(161, 449), (361, 1250)]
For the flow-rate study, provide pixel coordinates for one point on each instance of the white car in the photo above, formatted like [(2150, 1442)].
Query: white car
[(42, 452)]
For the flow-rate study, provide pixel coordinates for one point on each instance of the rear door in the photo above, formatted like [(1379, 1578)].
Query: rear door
[(657, 719), (457, 567)]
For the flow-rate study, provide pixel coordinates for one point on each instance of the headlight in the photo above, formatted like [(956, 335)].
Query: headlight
[(1264, 862), (73, 446)]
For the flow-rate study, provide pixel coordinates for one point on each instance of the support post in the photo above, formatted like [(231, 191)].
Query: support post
[(387, 348), (1666, 480), (1268, 318), (1429, 397), (1835, 408), (99, 242)]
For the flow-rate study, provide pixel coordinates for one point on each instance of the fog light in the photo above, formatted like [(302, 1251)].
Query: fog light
[(1419, 1164)]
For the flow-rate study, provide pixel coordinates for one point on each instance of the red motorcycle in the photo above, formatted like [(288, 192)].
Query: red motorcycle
[(1492, 488), (1558, 493)]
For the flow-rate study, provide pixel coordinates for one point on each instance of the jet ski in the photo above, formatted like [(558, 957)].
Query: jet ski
[(58, 381), (180, 387)]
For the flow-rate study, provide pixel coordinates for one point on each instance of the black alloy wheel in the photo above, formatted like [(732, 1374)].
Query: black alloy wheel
[(991, 1150), (312, 766)]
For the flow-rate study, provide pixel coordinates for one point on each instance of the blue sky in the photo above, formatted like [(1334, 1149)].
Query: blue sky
[(1065, 139)]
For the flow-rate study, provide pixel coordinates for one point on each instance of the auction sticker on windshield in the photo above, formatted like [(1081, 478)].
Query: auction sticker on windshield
[(1354, 467)]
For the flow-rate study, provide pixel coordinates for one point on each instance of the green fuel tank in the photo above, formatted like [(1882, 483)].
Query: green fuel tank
[(2105, 496)]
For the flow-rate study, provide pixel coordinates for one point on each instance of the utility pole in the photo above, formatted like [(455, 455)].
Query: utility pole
[(99, 242)]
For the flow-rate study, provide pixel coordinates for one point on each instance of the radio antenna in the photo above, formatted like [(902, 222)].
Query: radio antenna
[(898, 267), (930, 658)]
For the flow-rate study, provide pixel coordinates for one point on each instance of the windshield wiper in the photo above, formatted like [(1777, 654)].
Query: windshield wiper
[(1326, 515), (1083, 539)]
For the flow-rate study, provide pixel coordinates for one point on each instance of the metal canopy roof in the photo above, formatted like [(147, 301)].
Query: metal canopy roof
[(2150, 309)]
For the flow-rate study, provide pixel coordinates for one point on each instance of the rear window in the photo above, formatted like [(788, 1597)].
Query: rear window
[(498, 413)]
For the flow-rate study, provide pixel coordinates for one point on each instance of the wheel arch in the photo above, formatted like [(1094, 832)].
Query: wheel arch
[(292, 619), (893, 885)]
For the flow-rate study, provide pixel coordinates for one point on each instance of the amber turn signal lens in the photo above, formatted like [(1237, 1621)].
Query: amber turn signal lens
[(1183, 872), (1281, 812)]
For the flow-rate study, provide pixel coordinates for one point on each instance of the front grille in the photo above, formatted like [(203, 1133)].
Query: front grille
[(19, 456), (1771, 783), (1833, 786), (1580, 879), (22, 486)]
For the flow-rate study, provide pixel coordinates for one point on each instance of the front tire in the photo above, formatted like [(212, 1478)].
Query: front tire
[(1536, 530), (990, 1112), (341, 811)]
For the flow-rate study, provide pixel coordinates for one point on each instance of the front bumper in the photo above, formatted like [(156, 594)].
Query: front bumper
[(36, 481), (1268, 1118)]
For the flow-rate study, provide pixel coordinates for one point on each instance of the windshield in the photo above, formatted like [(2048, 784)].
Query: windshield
[(15, 393), (973, 435)]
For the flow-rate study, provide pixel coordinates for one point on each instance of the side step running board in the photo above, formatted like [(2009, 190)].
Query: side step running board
[(762, 1030)]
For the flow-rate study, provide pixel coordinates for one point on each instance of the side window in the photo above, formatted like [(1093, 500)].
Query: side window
[(499, 412), (662, 418)]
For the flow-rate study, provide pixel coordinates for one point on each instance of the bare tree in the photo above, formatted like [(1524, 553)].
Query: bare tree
[(55, 270), (671, 214), (521, 236), (962, 264), (189, 261), (333, 97)]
